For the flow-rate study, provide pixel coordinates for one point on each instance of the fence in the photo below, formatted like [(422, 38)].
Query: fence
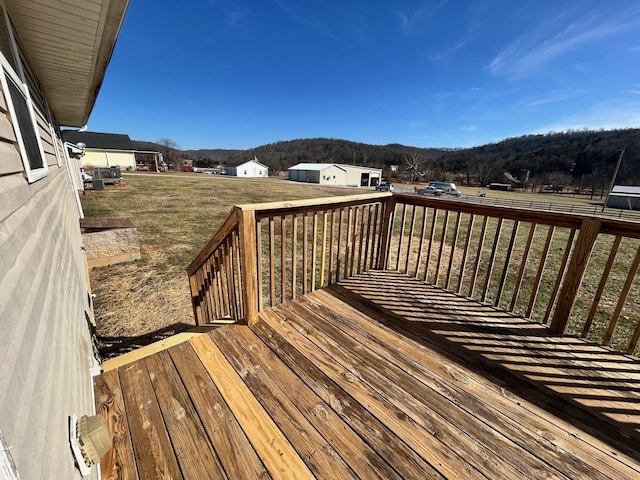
[(574, 273)]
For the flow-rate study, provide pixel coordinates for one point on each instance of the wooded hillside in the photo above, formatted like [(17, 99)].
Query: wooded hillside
[(582, 159)]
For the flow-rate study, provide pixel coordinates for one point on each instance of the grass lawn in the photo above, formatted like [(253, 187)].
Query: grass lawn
[(175, 215)]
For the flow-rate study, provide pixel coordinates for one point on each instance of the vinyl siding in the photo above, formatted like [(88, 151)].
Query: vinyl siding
[(9, 159), (45, 138), (104, 158), (45, 346)]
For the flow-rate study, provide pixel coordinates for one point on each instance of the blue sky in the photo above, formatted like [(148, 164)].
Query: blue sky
[(442, 73)]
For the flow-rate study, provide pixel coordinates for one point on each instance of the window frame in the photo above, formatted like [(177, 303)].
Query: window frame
[(6, 70)]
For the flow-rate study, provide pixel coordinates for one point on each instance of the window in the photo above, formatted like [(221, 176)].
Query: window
[(24, 124), (20, 109)]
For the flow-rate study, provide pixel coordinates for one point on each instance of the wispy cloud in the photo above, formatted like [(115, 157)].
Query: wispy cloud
[(299, 18), (424, 10), (469, 128), (608, 115), (531, 51), (556, 97), (449, 52)]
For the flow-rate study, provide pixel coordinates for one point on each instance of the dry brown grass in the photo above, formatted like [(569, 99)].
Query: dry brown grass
[(175, 215)]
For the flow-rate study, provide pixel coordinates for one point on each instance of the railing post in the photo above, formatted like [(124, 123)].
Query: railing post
[(248, 262), (195, 300), (387, 214), (589, 230)]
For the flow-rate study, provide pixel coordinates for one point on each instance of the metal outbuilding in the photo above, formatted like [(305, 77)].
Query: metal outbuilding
[(335, 174), (625, 197)]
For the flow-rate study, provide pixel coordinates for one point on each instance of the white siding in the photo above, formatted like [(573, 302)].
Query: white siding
[(45, 345), (248, 169)]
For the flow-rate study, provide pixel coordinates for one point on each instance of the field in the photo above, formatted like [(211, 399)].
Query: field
[(175, 215)]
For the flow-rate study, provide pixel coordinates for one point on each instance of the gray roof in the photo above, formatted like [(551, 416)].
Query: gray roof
[(314, 166), (237, 163), (102, 141)]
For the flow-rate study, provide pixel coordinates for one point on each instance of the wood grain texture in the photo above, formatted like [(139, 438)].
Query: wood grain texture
[(320, 456), (224, 431), (188, 438), (385, 376), (118, 463), (154, 455), (277, 454)]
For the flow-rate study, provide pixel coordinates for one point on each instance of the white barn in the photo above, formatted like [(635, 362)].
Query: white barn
[(248, 168), (335, 174)]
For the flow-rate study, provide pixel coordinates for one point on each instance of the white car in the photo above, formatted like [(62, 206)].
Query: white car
[(431, 191)]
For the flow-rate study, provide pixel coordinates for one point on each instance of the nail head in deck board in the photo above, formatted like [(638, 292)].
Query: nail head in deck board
[(364, 462), (318, 453), (273, 448), (417, 436), (118, 462), (152, 448), (225, 434), (190, 443), (382, 439)]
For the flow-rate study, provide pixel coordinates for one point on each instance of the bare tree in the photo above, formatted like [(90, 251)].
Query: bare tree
[(169, 150), (416, 167)]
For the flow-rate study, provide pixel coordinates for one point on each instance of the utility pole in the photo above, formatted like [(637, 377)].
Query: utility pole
[(613, 179)]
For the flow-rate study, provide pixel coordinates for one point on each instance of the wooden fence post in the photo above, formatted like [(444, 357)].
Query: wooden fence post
[(248, 264), (195, 300), (385, 239), (589, 230)]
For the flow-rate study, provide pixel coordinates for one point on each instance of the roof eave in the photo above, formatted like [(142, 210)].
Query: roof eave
[(83, 37)]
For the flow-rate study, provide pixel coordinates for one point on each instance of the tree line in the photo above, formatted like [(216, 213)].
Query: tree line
[(584, 159)]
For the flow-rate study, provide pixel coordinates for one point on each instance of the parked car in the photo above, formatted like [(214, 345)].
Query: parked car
[(446, 188), (384, 187), (431, 191)]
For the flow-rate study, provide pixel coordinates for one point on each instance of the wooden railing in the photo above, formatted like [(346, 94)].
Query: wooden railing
[(576, 274), (288, 249)]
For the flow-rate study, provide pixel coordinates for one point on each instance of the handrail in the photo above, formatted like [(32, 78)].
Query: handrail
[(526, 262), (522, 261), (227, 280)]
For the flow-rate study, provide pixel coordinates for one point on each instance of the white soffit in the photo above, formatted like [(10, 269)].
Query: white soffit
[(68, 44)]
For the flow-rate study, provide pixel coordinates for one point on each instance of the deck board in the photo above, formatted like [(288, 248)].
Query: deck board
[(119, 462), (155, 458), (222, 428), (194, 453), (381, 376)]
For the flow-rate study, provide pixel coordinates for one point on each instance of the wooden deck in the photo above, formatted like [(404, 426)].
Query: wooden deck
[(381, 376)]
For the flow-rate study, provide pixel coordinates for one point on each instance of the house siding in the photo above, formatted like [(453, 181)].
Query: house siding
[(46, 350), (331, 176), (105, 158), (248, 169)]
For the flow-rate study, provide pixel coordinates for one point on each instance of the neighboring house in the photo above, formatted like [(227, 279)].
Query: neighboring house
[(53, 57), (104, 149), (624, 197), (250, 168), (335, 174)]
